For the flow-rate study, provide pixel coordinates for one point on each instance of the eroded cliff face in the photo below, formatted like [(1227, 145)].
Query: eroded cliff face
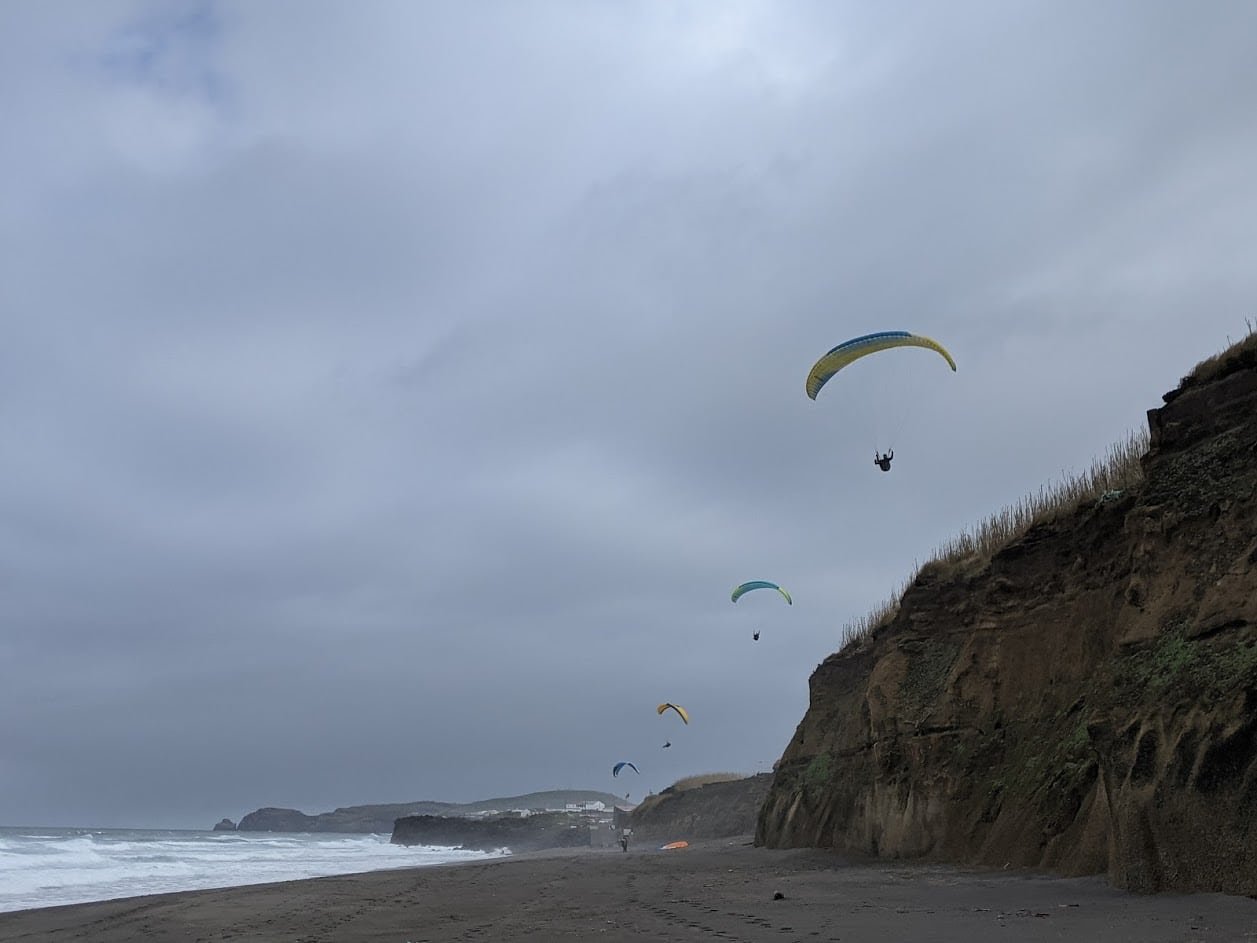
[(716, 810), (1086, 701)]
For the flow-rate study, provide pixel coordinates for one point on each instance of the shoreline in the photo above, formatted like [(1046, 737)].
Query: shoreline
[(720, 889), (80, 866)]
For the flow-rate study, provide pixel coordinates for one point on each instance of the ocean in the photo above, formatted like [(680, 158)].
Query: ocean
[(42, 867)]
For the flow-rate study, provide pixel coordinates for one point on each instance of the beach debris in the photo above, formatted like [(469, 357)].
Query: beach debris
[(1004, 915), (777, 895)]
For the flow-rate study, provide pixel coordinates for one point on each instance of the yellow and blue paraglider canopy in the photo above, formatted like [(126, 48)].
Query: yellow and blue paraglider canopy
[(740, 591), (850, 351), (684, 714), (615, 770)]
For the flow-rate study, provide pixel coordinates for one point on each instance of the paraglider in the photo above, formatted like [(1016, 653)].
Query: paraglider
[(615, 770), (681, 711), (850, 351), (744, 588), (886, 399)]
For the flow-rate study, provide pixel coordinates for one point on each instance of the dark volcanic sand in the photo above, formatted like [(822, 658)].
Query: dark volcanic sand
[(715, 891)]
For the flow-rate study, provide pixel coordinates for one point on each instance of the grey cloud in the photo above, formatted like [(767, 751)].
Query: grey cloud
[(393, 395)]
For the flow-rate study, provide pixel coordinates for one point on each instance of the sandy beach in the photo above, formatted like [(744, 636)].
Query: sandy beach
[(714, 891)]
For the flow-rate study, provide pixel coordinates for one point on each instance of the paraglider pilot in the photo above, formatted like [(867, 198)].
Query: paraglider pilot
[(883, 461)]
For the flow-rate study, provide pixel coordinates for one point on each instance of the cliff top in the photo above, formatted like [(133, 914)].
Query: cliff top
[(1117, 471), (1237, 356)]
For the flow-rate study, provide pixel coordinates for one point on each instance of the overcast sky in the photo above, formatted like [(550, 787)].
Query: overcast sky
[(392, 393)]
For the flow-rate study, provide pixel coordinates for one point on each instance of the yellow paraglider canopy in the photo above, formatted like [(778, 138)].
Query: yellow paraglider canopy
[(685, 715), (852, 350)]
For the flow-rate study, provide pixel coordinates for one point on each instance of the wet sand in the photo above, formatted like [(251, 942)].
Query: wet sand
[(713, 891)]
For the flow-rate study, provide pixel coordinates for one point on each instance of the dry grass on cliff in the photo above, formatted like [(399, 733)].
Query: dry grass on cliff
[(1241, 351), (863, 627), (686, 784), (704, 779), (1116, 471)]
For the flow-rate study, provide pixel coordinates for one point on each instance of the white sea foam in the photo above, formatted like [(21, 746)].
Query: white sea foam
[(45, 867)]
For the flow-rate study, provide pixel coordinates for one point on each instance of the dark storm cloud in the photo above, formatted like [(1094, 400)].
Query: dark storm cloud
[(394, 393)]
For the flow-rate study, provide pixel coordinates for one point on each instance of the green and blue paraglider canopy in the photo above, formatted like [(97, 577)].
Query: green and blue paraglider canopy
[(745, 588)]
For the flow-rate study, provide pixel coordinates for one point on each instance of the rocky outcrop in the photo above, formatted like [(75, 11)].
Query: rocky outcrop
[(518, 833), (272, 819), (1084, 701), (716, 810), (226, 825)]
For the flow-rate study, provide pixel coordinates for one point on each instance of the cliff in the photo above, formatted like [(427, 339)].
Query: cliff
[(527, 833), (379, 819), (1084, 701), (713, 810)]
